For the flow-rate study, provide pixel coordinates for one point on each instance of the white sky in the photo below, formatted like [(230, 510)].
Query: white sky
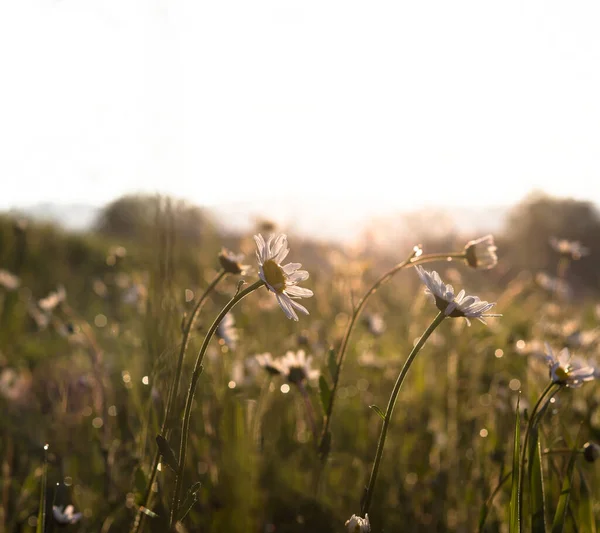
[(394, 104)]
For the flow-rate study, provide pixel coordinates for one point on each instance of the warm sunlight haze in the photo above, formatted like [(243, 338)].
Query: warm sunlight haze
[(299, 266), (364, 107)]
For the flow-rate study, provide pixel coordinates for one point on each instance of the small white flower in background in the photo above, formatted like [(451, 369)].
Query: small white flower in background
[(452, 305), (266, 361), (375, 324), (66, 515), (232, 263), (357, 524), (571, 249), (553, 285), (296, 367), (569, 371), (282, 280), (9, 281), (227, 332), (53, 300), (481, 253)]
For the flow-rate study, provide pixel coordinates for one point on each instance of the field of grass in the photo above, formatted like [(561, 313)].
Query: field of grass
[(89, 372)]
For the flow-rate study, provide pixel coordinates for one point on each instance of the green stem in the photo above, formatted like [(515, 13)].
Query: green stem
[(410, 261), (530, 423), (190, 397), (173, 392), (390, 409)]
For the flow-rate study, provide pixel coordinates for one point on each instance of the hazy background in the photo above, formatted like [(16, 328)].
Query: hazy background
[(318, 115)]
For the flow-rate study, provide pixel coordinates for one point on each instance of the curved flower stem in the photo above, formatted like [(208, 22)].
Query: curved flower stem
[(530, 424), (173, 392), (390, 409), (410, 261), (190, 397)]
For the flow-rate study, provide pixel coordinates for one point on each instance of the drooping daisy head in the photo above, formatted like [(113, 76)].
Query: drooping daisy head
[(455, 306), (296, 367), (281, 280), (571, 249), (358, 524), (567, 370), (232, 263), (591, 451), (65, 516), (481, 253)]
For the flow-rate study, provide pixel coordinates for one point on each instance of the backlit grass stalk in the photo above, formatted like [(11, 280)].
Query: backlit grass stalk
[(410, 261), (165, 430), (390, 409), (551, 388), (190, 397)]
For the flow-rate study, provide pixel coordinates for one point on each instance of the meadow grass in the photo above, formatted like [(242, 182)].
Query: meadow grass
[(93, 377)]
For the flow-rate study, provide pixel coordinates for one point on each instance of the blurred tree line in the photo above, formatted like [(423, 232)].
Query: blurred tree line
[(148, 222)]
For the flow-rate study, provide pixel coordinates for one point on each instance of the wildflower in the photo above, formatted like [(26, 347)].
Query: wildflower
[(226, 331), (570, 249), (53, 300), (357, 524), (591, 451), (553, 285), (453, 305), (9, 281), (564, 370), (375, 324), (267, 362), (65, 516), (232, 263), (296, 367), (481, 253), (15, 386), (282, 280)]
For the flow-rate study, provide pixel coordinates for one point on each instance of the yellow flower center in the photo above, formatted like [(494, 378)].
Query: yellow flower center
[(562, 373), (274, 275)]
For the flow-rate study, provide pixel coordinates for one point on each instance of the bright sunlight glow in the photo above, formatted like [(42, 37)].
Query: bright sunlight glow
[(388, 104)]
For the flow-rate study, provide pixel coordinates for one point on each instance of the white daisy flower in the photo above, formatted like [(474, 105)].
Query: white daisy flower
[(452, 305), (9, 281), (357, 524), (66, 515), (296, 367), (266, 361), (571, 249), (53, 300), (282, 280), (565, 370), (481, 253), (553, 285), (375, 324)]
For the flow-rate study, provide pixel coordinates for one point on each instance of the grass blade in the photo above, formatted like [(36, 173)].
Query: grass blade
[(587, 521), (41, 520), (325, 393), (560, 515), (514, 524), (536, 484), (485, 508)]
